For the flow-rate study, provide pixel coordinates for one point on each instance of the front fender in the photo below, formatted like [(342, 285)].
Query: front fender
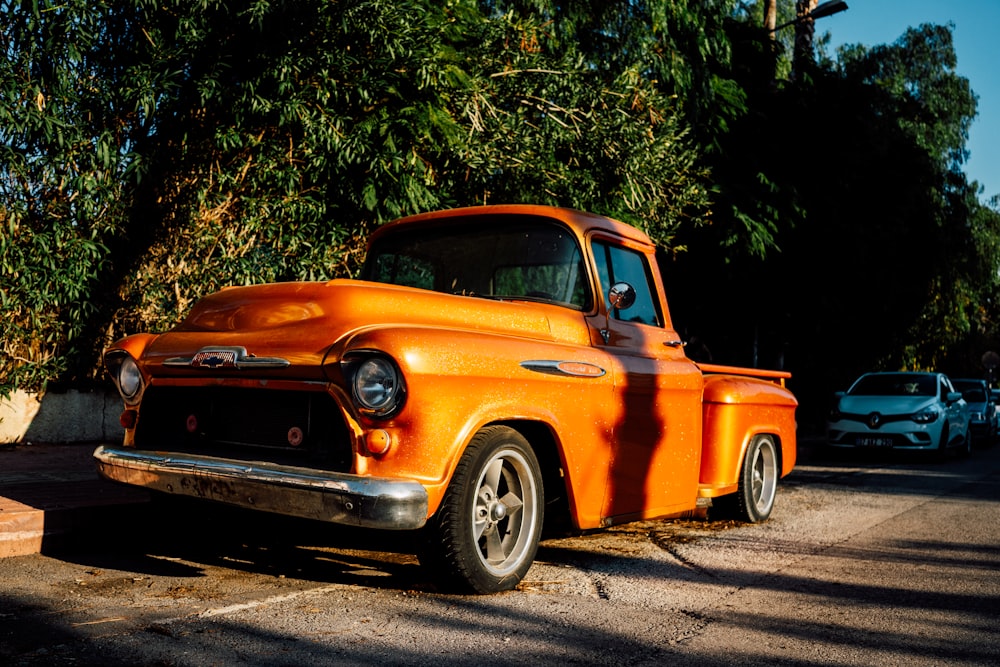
[(460, 381), (135, 344)]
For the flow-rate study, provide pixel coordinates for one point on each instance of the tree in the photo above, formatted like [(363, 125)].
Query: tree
[(876, 225), (154, 150), (165, 149), (66, 128)]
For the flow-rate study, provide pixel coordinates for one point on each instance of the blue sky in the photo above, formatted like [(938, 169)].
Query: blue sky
[(977, 43)]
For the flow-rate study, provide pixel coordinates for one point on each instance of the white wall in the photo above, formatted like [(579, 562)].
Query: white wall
[(71, 416)]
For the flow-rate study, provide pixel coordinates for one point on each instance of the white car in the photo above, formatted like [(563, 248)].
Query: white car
[(904, 410)]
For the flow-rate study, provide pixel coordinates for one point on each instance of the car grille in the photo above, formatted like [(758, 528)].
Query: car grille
[(287, 427), (882, 418)]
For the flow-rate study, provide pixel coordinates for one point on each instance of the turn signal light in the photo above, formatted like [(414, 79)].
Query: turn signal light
[(377, 442)]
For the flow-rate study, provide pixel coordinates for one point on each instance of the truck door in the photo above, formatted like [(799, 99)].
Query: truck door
[(657, 433)]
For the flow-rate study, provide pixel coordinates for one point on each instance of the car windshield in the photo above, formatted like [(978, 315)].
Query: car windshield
[(502, 257), (895, 384)]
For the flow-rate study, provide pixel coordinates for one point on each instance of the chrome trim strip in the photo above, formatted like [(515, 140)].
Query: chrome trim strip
[(371, 502), (240, 359), (249, 362), (564, 368)]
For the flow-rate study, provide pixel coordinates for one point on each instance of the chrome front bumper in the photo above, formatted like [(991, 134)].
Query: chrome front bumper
[(389, 504)]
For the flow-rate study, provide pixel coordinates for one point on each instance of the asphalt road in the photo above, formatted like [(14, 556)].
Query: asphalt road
[(877, 561)]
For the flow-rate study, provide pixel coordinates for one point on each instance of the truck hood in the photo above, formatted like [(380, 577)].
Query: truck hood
[(301, 322)]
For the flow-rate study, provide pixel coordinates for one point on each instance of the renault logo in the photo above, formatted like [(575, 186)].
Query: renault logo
[(874, 420)]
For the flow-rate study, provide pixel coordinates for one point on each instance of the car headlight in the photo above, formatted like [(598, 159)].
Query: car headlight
[(126, 376), (376, 385), (926, 416)]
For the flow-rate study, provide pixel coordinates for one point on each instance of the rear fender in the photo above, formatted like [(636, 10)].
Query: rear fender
[(736, 409)]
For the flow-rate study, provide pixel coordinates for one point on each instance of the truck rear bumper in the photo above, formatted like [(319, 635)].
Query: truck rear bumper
[(389, 504)]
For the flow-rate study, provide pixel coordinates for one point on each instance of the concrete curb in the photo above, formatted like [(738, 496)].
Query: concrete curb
[(25, 529), (51, 495)]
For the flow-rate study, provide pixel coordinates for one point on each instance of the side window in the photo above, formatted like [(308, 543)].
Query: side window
[(616, 264)]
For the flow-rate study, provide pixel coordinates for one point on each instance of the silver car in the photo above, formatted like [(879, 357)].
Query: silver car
[(982, 411), (905, 410)]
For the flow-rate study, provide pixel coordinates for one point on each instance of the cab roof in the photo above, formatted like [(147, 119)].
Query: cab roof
[(579, 222)]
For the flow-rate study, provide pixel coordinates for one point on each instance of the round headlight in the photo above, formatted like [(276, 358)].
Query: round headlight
[(129, 379), (377, 385)]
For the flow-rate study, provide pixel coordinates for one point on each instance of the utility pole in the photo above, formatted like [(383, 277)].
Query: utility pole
[(806, 13), (805, 28)]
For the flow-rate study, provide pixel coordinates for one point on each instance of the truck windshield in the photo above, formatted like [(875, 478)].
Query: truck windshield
[(501, 257)]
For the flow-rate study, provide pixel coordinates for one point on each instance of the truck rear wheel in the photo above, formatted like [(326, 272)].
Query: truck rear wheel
[(758, 483), (484, 536)]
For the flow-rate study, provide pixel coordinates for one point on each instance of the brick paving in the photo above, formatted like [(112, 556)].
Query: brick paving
[(50, 493)]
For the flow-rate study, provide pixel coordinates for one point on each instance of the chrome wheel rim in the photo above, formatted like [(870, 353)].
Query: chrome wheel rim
[(764, 475), (504, 512)]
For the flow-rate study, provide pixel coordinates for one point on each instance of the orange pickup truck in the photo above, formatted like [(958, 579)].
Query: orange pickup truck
[(492, 369)]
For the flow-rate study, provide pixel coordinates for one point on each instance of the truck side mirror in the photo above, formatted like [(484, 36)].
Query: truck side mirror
[(620, 296)]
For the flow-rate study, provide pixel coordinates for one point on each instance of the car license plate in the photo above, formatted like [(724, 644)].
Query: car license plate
[(872, 441)]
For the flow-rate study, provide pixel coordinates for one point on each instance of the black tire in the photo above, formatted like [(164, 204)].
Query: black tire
[(758, 484), (484, 537)]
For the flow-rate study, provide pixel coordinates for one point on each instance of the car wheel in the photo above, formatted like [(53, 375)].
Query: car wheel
[(484, 536), (758, 483)]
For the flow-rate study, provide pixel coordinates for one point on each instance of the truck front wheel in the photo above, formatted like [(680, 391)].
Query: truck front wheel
[(484, 536), (758, 484)]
